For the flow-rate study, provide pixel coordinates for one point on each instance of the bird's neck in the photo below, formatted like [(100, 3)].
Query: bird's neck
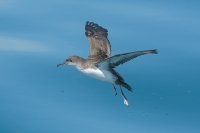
[(80, 62)]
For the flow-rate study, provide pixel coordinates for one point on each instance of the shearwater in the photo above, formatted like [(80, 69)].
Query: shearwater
[(100, 64)]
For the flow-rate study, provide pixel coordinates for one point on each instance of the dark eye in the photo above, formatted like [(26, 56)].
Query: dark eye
[(69, 60)]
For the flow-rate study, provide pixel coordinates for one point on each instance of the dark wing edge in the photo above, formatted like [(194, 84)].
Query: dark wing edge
[(122, 58), (99, 43)]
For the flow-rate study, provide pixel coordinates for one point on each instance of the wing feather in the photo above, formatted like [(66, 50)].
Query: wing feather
[(99, 44), (122, 58)]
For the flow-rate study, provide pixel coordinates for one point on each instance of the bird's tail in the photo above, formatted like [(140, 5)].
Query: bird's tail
[(127, 86), (124, 84), (120, 80)]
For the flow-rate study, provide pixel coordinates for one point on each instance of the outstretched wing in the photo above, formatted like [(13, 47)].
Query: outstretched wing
[(100, 48), (122, 58)]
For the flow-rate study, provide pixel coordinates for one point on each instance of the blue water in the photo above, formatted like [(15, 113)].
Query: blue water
[(38, 97)]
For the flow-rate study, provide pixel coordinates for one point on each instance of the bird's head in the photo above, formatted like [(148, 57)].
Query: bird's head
[(72, 60)]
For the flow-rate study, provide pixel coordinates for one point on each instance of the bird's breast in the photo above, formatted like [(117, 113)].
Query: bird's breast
[(103, 75)]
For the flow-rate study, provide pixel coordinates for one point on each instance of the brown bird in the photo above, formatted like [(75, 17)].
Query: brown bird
[(100, 64)]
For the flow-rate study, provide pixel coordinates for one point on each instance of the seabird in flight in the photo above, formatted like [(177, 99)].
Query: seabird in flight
[(100, 64)]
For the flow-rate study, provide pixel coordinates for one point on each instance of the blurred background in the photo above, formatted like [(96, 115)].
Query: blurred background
[(38, 97)]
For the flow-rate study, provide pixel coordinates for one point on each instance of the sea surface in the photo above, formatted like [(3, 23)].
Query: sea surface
[(38, 97)]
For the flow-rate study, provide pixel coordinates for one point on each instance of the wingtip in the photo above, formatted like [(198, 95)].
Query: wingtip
[(156, 52), (153, 51)]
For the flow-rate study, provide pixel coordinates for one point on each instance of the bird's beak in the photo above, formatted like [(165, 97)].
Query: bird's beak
[(61, 64)]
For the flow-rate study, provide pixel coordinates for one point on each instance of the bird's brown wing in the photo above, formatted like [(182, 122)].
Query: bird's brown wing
[(100, 48)]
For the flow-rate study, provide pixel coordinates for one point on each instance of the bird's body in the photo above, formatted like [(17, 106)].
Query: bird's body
[(88, 68), (100, 64), (97, 73)]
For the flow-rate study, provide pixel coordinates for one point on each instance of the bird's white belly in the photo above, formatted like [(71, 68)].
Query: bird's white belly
[(104, 75)]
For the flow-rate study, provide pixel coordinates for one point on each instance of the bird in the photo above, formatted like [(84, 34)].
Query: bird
[(100, 64)]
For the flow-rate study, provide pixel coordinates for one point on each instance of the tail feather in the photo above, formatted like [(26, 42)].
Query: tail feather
[(125, 85)]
